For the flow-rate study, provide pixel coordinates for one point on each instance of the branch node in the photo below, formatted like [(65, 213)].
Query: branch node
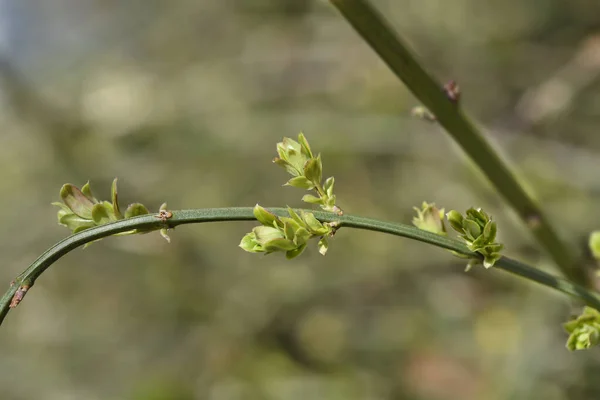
[(534, 221), (19, 295), (452, 91), (164, 215)]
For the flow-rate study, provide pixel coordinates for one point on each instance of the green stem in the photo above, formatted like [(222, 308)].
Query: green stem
[(29, 276), (373, 28)]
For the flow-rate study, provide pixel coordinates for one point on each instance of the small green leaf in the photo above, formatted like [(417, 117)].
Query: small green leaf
[(76, 201), (289, 229), (73, 221), (300, 182), (64, 210), (430, 218), (293, 153), (309, 198), (288, 167), (477, 215), (87, 192), (328, 186), (305, 146), (323, 245), (62, 206), (290, 222), (163, 233), (301, 236), (263, 216), (472, 262), (330, 202), (319, 168), (282, 151), (115, 200), (295, 252), (477, 243), (136, 209), (313, 170), (571, 325), (471, 229), (63, 213), (490, 260), (100, 215), (110, 210), (280, 244), (295, 216), (313, 224), (265, 234), (456, 220), (489, 232), (590, 313), (250, 244), (584, 335)]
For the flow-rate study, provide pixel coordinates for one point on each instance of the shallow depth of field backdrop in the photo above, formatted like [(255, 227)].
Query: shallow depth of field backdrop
[(184, 102)]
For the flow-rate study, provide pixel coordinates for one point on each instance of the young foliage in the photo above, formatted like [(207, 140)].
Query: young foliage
[(307, 172), (430, 219), (291, 234), (584, 331), (80, 210), (478, 231), (286, 234)]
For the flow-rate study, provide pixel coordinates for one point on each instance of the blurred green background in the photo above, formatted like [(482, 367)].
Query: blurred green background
[(185, 100)]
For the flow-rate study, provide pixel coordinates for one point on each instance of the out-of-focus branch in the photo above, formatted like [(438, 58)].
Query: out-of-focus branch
[(373, 28), (555, 95)]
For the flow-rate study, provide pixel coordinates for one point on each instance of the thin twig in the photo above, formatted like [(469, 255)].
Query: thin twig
[(23, 282)]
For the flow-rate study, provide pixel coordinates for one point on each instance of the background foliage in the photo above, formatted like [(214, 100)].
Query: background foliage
[(184, 102)]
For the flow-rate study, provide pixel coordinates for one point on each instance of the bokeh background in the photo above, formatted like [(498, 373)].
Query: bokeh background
[(185, 100)]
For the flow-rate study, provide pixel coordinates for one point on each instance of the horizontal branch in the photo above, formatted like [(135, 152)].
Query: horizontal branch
[(25, 280)]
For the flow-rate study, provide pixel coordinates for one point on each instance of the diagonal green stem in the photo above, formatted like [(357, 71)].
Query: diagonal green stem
[(373, 28), (29, 276)]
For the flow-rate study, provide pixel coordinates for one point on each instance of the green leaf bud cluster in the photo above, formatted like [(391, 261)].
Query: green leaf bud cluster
[(307, 172), (286, 234), (429, 218), (81, 210), (584, 331), (291, 234), (478, 231)]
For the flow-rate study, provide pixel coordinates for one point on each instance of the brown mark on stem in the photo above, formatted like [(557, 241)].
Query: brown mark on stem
[(164, 215), (19, 295), (452, 91)]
